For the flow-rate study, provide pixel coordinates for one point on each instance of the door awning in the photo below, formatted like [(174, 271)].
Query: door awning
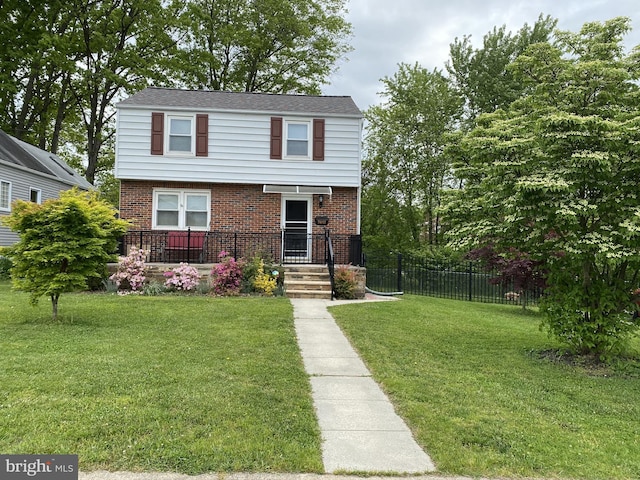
[(299, 189)]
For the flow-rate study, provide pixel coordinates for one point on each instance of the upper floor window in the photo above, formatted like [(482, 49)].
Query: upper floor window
[(180, 134), (5, 196), (297, 139), (181, 209), (35, 195)]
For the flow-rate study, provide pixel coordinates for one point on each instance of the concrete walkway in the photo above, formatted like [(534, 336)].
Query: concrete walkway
[(360, 430)]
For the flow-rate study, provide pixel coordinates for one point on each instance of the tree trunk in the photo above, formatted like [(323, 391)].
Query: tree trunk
[(54, 305)]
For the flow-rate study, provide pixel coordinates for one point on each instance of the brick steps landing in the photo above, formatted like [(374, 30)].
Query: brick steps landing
[(307, 281)]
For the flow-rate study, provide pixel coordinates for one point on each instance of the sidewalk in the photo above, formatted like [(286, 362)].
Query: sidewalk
[(102, 475), (360, 430)]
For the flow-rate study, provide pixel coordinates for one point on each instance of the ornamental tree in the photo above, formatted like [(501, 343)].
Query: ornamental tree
[(556, 175), (63, 243)]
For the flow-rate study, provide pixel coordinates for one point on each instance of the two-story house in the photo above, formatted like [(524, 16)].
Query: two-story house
[(240, 172), (31, 174)]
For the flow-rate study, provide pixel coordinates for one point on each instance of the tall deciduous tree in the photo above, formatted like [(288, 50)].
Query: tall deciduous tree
[(63, 243), (122, 45), (556, 175), (275, 46), (481, 74), (404, 168), (64, 64), (37, 59)]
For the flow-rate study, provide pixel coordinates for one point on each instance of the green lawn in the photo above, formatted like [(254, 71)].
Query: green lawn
[(471, 383), (174, 383), (196, 384)]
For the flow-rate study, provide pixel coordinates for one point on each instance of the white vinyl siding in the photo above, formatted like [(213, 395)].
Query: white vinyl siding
[(239, 151), (181, 209)]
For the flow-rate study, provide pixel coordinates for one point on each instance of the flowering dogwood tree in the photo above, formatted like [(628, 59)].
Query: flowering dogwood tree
[(556, 175)]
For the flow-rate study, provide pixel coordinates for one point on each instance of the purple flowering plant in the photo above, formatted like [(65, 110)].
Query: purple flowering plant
[(183, 277), (130, 274), (226, 276)]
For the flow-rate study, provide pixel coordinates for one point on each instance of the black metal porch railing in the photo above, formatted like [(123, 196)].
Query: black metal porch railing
[(205, 247)]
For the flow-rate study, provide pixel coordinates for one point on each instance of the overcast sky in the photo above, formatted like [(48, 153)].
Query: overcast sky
[(388, 32)]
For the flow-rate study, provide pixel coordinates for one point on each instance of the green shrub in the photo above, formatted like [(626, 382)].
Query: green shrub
[(260, 275), (345, 283), (5, 268), (153, 288)]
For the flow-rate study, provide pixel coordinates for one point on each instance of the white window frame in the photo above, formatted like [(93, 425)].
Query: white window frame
[(306, 123), (192, 135), (182, 208), (5, 186), (38, 193)]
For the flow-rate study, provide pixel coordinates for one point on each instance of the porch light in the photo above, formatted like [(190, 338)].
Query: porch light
[(320, 200)]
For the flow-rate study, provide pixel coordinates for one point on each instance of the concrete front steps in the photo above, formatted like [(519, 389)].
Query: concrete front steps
[(307, 281)]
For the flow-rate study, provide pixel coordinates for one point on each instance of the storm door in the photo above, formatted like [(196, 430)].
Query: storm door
[(296, 230)]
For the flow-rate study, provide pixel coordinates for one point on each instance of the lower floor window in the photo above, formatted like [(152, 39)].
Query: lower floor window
[(181, 209), (35, 195)]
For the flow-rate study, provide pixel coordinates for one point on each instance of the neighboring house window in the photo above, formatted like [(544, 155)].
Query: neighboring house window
[(295, 139), (5, 196), (186, 134), (181, 209), (35, 195)]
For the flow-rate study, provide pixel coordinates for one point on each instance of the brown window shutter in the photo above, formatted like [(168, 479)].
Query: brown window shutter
[(276, 138), (318, 139), (157, 133), (202, 135)]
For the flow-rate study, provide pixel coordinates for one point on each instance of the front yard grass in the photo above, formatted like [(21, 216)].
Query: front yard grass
[(189, 384), (472, 383)]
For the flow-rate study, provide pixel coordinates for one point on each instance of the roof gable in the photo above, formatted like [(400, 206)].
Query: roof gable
[(12, 152), (27, 156), (154, 97)]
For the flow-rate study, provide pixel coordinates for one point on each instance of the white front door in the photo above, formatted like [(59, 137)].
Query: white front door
[(296, 227)]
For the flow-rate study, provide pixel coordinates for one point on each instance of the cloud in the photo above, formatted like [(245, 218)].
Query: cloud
[(390, 32)]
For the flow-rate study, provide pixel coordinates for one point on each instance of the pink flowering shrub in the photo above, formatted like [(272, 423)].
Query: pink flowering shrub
[(226, 276), (183, 277), (130, 274)]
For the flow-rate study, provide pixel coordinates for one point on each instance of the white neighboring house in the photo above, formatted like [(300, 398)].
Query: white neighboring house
[(29, 173)]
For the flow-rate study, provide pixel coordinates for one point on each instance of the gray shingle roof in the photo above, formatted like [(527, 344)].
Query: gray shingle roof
[(154, 97), (20, 153)]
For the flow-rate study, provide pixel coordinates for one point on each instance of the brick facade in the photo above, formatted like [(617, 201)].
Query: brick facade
[(241, 208)]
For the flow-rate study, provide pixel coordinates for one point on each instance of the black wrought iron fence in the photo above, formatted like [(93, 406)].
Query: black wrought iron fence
[(467, 280), (205, 247)]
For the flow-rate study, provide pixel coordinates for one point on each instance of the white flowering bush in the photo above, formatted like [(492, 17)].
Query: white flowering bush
[(183, 277), (130, 275)]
